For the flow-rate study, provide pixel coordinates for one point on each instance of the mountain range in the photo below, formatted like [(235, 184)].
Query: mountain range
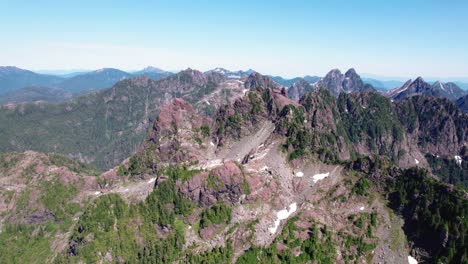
[(205, 168), (18, 82)]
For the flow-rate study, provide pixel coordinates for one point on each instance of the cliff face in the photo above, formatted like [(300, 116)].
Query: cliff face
[(437, 125), (337, 83)]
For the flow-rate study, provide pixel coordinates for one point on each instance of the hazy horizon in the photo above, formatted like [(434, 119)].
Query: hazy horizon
[(290, 39)]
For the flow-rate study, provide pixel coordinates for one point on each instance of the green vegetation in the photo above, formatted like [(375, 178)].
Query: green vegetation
[(26, 243), (297, 138), (30, 241), (217, 214), (436, 216), (431, 118), (371, 124), (318, 248), (218, 255), (8, 161), (449, 171), (55, 197), (150, 232), (361, 187), (205, 131), (75, 166)]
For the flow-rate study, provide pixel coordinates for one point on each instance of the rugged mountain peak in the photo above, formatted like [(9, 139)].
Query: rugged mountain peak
[(175, 130), (352, 81), (419, 81), (191, 76), (298, 89), (337, 83), (421, 87), (351, 73), (256, 80)]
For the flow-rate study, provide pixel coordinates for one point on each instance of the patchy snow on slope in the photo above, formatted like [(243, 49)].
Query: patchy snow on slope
[(458, 160), (261, 155), (244, 91), (417, 161), (212, 163), (281, 215), (299, 174), (320, 176), (412, 260), (151, 180)]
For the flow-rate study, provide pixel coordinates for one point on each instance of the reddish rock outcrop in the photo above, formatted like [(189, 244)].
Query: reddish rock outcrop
[(225, 183)]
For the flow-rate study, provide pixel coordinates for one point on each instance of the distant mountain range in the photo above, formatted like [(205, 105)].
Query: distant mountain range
[(16, 83), (20, 86), (420, 87), (12, 78)]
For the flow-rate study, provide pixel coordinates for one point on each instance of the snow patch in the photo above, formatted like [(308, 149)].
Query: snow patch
[(281, 215), (458, 160), (264, 168), (299, 174), (320, 176), (208, 103), (417, 161), (212, 164), (244, 91), (262, 155), (412, 260), (151, 180), (212, 144), (97, 192), (361, 208)]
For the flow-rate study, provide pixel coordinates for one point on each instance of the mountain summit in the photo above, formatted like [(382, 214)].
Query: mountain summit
[(336, 82), (420, 87)]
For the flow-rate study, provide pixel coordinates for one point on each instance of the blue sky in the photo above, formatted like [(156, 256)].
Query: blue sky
[(289, 38)]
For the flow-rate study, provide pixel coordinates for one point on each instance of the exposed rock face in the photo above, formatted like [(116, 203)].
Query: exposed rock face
[(174, 132), (420, 87), (298, 89), (256, 80), (337, 83), (437, 125), (225, 183), (27, 177)]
